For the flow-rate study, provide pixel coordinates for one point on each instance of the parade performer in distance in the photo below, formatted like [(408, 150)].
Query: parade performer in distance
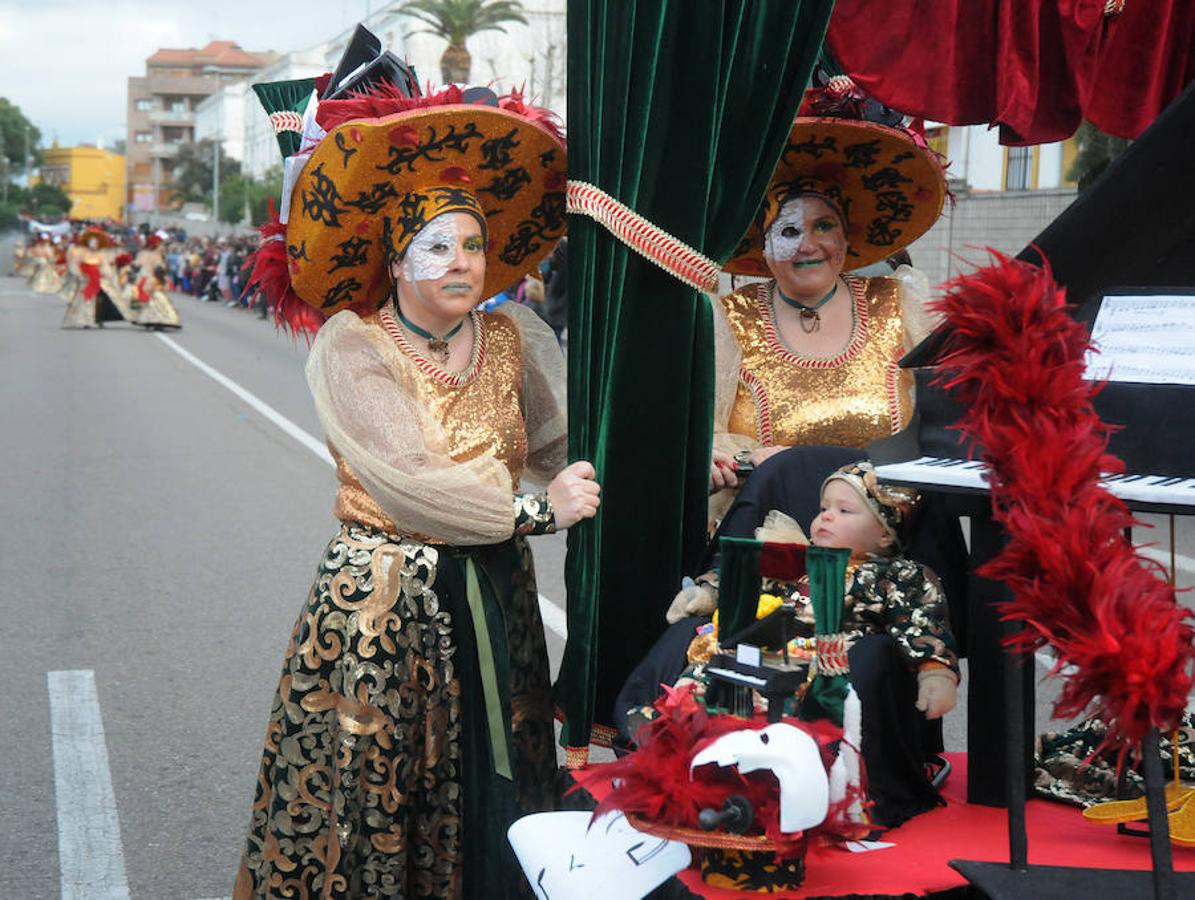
[(101, 298), (72, 282), (21, 261), (153, 308), (809, 357), (44, 277), (413, 720)]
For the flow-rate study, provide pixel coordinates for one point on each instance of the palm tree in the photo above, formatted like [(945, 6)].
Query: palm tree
[(456, 21), (1096, 150)]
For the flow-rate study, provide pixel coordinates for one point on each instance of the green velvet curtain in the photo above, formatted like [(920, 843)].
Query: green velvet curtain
[(679, 109), (827, 594), (738, 584)]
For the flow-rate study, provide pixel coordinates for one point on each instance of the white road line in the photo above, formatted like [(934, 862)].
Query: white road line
[(90, 855), (307, 440), (555, 619), (1045, 659), (1181, 562), (553, 616)]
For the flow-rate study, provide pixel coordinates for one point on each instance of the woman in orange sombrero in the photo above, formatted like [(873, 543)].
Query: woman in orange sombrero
[(155, 311), (99, 297), (413, 721), (809, 356)]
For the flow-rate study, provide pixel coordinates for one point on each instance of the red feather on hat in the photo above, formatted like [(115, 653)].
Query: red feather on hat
[(270, 274), (383, 99)]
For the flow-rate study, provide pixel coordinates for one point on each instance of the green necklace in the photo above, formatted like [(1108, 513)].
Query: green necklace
[(437, 346), (809, 314)]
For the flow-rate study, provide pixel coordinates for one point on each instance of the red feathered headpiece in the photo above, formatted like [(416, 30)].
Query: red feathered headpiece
[(653, 783), (1015, 360)]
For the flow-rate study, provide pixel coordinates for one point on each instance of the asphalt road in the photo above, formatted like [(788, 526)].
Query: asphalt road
[(159, 531)]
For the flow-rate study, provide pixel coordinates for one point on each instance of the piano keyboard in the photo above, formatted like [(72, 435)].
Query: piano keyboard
[(971, 475)]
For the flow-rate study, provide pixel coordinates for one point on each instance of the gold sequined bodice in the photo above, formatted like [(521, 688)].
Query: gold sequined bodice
[(479, 410), (859, 396)]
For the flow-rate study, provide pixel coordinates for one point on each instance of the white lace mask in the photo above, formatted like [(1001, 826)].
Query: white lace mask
[(431, 252), (782, 247)]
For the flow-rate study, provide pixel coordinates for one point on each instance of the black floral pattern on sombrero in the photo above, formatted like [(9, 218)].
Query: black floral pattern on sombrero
[(889, 188), (372, 183)]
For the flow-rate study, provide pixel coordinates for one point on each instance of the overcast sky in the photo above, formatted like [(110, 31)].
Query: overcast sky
[(66, 63)]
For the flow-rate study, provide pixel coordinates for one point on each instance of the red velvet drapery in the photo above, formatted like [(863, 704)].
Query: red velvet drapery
[(1035, 68)]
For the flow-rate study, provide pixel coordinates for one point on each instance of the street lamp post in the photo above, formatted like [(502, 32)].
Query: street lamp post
[(216, 182), (4, 160)]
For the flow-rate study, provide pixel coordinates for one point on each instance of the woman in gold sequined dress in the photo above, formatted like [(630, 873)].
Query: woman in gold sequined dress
[(809, 356), (413, 720)]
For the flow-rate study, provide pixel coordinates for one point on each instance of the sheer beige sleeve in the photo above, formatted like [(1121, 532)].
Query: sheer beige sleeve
[(726, 383), (544, 383), (365, 395), (914, 298)]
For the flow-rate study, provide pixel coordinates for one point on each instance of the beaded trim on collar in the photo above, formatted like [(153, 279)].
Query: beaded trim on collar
[(856, 286), (452, 379)]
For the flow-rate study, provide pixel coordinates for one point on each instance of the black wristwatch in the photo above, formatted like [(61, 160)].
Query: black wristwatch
[(742, 463)]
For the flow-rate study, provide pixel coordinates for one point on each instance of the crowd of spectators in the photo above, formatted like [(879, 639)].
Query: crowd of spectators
[(213, 269)]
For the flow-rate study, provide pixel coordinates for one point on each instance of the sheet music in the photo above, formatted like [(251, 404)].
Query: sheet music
[(1149, 339)]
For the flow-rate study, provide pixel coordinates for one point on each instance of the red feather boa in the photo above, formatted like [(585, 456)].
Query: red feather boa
[(1015, 359)]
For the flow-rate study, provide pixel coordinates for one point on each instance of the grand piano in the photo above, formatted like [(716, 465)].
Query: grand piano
[(1132, 232)]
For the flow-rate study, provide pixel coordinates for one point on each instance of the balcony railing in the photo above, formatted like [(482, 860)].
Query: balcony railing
[(164, 150), (172, 117), (175, 86)]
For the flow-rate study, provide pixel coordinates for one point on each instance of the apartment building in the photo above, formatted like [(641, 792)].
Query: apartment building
[(529, 57), (161, 111)]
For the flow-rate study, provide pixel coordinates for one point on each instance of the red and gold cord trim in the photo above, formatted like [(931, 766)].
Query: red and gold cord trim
[(892, 386), (763, 409), (858, 296), (286, 121), (651, 242), (832, 650), (452, 379)]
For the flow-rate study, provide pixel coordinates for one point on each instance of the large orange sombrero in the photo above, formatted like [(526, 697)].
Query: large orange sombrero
[(101, 236), (371, 183), (889, 188)]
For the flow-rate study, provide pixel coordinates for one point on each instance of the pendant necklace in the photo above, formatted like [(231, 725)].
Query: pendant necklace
[(436, 346), (810, 320)]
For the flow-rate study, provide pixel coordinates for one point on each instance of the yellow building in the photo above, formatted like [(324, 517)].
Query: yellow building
[(92, 177)]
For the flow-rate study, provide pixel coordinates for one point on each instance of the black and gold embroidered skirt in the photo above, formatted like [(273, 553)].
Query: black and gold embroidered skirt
[(411, 726)]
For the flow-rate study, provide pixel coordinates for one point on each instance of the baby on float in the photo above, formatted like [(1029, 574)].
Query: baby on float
[(903, 658)]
